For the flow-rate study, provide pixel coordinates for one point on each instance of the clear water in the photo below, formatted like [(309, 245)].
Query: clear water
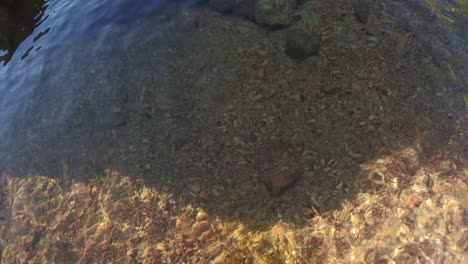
[(69, 50), (48, 78), (187, 97)]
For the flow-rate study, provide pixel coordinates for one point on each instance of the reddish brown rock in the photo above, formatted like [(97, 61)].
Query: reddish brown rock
[(279, 169), (413, 201), (274, 151), (279, 181)]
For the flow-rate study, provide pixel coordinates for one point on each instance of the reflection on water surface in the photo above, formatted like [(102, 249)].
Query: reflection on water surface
[(18, 19)]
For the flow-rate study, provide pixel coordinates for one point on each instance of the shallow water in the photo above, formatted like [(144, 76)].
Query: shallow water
[(75, 48), (84, 47), (212, 108)]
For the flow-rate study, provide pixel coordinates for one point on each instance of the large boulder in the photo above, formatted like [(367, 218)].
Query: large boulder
[(274, 13), (301, 45)]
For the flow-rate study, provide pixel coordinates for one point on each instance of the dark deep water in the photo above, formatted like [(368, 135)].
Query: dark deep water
[(210, 101)]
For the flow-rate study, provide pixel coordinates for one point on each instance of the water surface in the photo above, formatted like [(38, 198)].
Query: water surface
[(175, 113)]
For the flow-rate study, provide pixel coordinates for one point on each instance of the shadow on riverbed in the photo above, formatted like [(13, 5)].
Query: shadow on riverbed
[(192, 109)]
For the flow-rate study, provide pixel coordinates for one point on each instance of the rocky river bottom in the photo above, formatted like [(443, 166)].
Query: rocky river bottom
[(329, 132)]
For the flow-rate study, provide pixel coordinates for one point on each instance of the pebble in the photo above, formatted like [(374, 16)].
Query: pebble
[(201, 215), (236, 141), (204, 195), (195, 188), (463, 242), (373, 39), (257, 97), (298, 97), (354, 155), (413, 201), (206, 235), (199, 227), (261, 73), (330, 89), (445, 165), (214, 249), (339, 186), (308, 212), (309, 159), (220, 259)]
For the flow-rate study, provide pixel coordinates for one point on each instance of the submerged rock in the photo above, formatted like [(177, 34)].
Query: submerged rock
[(240, 8), (279, 181), (361, 10), (280, 169), (301, 45), (308, 16), (274, 13), (245, 8), (223, 6)]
